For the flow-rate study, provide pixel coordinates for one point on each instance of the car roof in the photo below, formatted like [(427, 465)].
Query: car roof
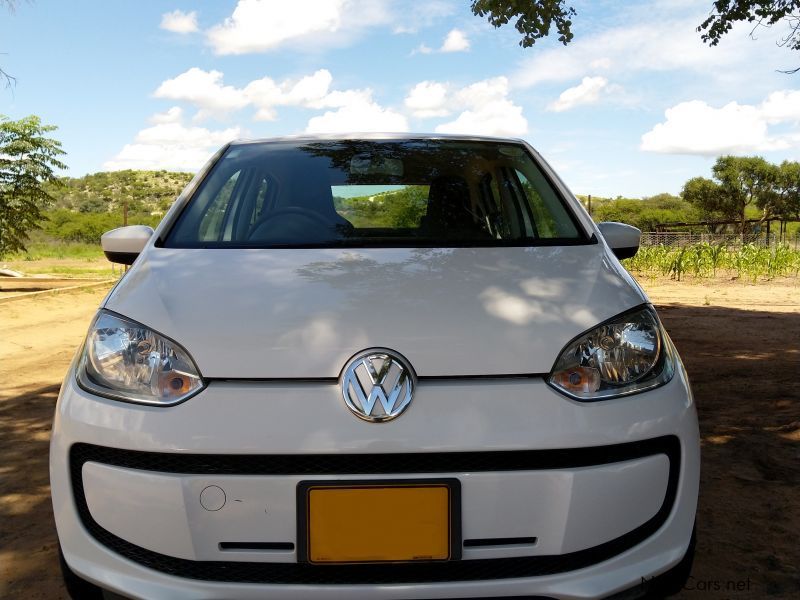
[(377, 136)]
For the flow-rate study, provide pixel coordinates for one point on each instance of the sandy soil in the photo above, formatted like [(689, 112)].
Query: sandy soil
[(741, 346), (38, 340)]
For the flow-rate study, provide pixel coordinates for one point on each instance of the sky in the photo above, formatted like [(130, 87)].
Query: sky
[(634, 106)]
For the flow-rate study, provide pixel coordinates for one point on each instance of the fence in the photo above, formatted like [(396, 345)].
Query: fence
[(687, 238)]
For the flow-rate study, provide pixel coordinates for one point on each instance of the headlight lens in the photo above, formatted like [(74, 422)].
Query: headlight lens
[(625, 355), (125, 360)]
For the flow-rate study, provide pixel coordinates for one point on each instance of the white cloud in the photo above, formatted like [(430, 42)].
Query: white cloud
[(654, 45), (588, 91), (499, 118), (418, 15), (484, 107), (173, 115), (179, 22), (782, 106), (456, 41), (263, 25), (310, 91), (600, 63), (489, 111), (171, 146), (697, 128), (204, 89), (428, 99), (358, 112)]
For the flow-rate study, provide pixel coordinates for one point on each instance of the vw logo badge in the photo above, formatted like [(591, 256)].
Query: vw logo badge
[(377, 385)]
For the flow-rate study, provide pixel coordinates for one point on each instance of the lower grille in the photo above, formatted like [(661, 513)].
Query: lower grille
[(355, 464)]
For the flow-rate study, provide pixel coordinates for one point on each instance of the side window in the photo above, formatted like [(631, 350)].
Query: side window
[(213, 222), (492, 208), (542, 218), (549, 215), (261, 199)]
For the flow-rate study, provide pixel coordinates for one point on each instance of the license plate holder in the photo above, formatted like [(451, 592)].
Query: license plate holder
[(379, 521)]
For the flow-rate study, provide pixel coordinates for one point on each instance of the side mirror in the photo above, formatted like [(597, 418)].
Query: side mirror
[(123, 245), (623, 239)]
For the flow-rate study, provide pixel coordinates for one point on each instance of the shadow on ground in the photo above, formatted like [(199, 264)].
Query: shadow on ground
[(745, 372), (28, 546)]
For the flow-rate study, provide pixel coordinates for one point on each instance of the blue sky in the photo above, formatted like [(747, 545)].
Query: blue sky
[(635, 106)]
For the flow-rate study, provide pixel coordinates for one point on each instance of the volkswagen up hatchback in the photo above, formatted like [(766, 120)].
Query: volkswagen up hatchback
[(375, 367)]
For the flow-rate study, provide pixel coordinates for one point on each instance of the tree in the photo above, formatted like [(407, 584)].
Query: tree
[(741, 181), (745, 181), (761, 13), (646, 214), (533, 18), (787, 193), (27, 162)]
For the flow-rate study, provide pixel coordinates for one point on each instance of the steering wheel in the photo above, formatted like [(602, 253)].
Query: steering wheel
[(313, 215)]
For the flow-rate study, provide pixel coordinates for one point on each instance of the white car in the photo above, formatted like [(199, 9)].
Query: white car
[(375, 367)]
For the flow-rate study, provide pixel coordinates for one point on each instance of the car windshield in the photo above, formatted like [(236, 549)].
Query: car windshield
[(361, 193)]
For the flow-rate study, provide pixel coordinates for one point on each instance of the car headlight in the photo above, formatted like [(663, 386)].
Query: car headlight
[(124, 360), (625, 355)]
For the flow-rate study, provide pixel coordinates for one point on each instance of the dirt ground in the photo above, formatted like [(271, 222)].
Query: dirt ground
[(741, 346)]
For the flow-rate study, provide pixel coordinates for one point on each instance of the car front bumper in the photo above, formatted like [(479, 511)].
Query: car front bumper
[(608, 489)]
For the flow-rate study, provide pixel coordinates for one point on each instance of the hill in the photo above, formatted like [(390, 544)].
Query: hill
[(145, 191), (85, 207)]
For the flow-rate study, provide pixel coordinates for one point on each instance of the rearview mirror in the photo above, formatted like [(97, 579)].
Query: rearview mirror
[(623, 239), (123, 245)]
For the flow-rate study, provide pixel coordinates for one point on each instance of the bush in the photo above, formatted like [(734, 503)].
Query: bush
[(68, 226)]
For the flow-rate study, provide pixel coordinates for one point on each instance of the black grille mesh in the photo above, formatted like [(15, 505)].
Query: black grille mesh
[(354, 464)]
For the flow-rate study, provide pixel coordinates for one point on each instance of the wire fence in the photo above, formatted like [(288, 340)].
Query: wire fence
[(688, 238)]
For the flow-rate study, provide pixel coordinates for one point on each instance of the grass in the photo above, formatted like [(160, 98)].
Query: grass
[(62, 259), (71, 250)]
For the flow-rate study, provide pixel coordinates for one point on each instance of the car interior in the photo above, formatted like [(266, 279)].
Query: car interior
[(289, 199)]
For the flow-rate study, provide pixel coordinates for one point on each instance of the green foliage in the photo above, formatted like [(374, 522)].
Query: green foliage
[(396, 209), (704, 260), (645, 213), (27, 162), (38, 250), (786, 200), (763, 13), (533, 18), (707, 196), (143, 191), (742, 182), (67, 226), (84, 208)]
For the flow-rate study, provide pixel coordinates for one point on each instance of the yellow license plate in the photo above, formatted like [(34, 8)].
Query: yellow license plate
[(378, 522)]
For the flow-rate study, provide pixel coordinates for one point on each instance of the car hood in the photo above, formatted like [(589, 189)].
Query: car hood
[(289, 313)]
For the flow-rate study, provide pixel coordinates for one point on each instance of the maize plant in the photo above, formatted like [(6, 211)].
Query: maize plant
[(749, 262)]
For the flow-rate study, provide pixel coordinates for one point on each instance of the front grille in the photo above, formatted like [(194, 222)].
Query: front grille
[(356, 464)]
